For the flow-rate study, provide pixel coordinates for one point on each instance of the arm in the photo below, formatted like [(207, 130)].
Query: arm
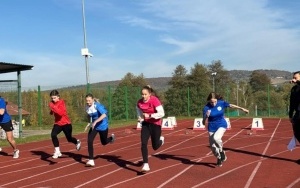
[(2, 110), (60, 109), (159, 113), (238, 107), (139, 114), (292, 104), (98, 120)]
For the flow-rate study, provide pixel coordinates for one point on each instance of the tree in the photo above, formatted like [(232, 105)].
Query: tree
[(259, 81), (222, 78), (199, 87), (126, 95), (176, 95)]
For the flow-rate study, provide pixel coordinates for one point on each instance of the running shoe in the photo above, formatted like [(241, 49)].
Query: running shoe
[(16, 154), (146, 167), (219, 162), (90, 163), (162, 138), (113, 138), (56, 154), (78, 145)]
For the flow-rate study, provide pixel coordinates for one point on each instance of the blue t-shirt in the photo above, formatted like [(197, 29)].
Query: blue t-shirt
[(216, 118), (5, 117), (95, 111)]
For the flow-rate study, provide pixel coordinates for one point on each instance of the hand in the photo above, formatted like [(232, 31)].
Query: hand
[(87, 126), (203, 122), (245, 110), (146, 116), (208, 113), (140, 119)]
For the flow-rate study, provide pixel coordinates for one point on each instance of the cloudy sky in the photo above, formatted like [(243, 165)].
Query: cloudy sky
[(145, 36)]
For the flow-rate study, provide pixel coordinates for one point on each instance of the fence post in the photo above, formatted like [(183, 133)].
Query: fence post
[(255, 110), (126, 103), (269, 100), (109, 103), (39, 106), (188, 95)]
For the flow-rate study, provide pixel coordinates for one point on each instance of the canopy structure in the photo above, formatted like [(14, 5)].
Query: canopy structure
[(12, 67)]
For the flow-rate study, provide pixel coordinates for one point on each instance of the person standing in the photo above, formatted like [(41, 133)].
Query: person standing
[(150, 112), (7, 126), (62, 123), (98, 124), (294, 110), (214, 111)]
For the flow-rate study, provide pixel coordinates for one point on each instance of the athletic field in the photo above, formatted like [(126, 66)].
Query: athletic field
[(185, 160)]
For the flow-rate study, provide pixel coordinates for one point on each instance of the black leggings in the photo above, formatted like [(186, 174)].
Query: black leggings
[(148, 130), (67, 129), (296, 128), (103, 138)]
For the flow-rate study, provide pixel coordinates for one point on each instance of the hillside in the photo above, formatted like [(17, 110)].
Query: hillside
[(161, 83)]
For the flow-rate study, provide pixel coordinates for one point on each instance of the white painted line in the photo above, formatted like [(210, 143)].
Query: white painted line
[(264, 152)]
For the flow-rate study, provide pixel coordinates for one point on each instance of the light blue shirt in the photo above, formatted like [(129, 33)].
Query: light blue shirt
[(95, 111)]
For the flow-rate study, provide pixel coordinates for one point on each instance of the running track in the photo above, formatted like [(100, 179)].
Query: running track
[(185, 160)]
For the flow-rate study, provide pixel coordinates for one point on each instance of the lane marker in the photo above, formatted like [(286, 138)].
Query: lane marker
[(264, 152)]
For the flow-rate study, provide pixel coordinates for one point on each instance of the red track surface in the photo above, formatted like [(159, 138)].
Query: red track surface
[(185, 160)]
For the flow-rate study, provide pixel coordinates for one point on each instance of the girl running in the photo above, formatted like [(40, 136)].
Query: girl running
[(99, 124), (150, 113), (6, 125), (214, 112), (62, 123)]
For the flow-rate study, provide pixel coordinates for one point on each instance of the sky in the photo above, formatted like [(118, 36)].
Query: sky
[(149, 37)]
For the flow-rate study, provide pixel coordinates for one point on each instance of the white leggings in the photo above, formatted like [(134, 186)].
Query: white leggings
[(215, 141)]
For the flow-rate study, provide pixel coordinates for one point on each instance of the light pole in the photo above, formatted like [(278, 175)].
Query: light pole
[(237, 96), (85, 51), (213, 76)]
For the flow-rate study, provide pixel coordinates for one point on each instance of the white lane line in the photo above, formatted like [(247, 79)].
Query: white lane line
[(187, 168), (139, 158), (293, 183), (237, 168), (264, 152)]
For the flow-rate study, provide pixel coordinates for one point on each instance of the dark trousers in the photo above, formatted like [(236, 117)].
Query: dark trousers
[(103, 139), (67, 129), (148, 130), (296, 128)]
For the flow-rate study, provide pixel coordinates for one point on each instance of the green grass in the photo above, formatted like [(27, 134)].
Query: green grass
[(77, 129)]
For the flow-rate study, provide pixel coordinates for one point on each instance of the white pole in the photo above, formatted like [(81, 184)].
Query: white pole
[(85, 46)]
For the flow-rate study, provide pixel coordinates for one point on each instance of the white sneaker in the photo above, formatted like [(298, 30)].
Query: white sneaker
[(112, 138), (16, 154), (162, 138), (146, 167), (0, 149), (78, 145), (56, 154), (90, 162)]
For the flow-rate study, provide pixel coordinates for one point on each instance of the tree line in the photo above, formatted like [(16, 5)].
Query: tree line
[(185, 96)]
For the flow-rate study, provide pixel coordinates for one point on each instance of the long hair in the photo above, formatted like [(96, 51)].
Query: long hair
[(150, 90), (214, 95)]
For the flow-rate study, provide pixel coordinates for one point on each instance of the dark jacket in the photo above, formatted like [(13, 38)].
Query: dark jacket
[(295, 101)]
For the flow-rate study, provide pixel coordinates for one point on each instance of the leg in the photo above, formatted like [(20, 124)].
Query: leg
[(296, 129), (218, 138), (11, 140), (91, 136), (55, 131), (212, 144), (103, 137), (145, 135), (155, 136), (67, 129)]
